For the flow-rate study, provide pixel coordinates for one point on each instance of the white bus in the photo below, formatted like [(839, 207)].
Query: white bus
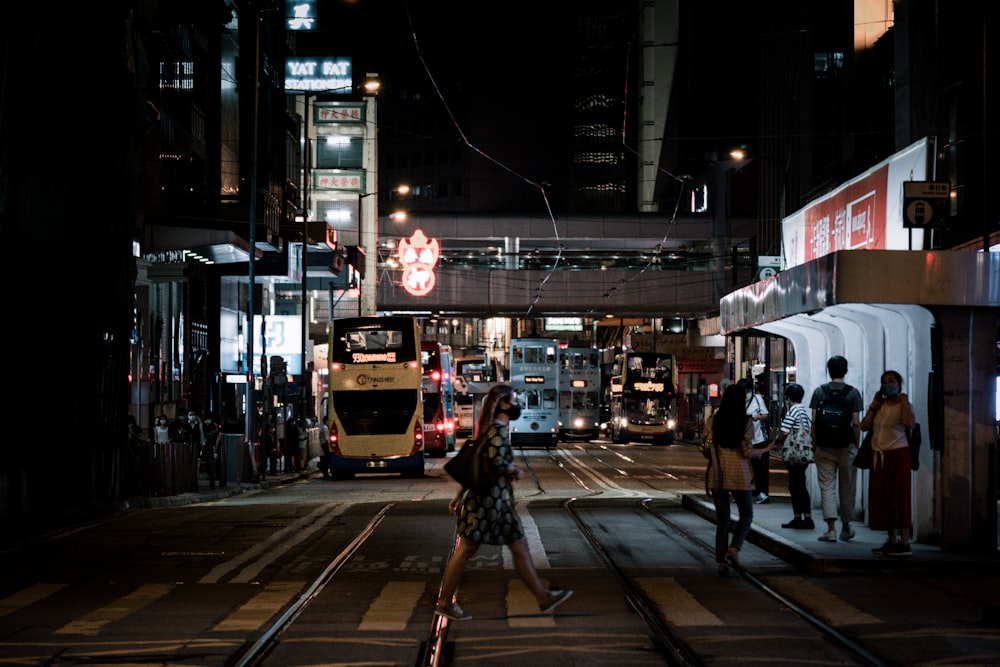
[(534, 375), (579, 392), (375, 411)]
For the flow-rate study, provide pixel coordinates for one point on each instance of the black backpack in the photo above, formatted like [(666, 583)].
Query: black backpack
[(833, 418)]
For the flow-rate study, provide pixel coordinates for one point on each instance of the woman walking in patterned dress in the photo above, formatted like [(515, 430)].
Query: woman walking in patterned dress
[(490, 518)]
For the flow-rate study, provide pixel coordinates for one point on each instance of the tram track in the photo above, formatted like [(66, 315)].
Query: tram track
[(677, 650), (259, 650)]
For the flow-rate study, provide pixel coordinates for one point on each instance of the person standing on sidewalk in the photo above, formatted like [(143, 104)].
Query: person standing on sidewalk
[(756, 410), (489, 517), (836, 408), (796, 420), (889, 480)]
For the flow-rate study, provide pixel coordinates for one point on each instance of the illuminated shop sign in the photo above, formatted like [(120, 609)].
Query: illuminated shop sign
[(564, 324), (318, 75), (418, 255), (338, 179), (338, 113), (300, 14)]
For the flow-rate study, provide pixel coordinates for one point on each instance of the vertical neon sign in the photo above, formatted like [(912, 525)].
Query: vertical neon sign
[(418, 255)]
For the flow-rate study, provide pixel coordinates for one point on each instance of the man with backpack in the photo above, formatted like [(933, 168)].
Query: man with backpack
[(836, 421)]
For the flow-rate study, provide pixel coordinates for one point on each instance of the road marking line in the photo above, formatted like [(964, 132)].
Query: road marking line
[(676, 604), (91, 624), (28, 596), (836, 611), (274, 546), (522, 608), (256, 611), (391, 610)]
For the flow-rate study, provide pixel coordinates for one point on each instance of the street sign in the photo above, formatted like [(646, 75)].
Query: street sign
[(926, 204), (768, 266)]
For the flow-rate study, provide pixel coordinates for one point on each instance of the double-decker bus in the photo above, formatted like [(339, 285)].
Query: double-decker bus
[(474, 375), (534, 375), (438, 397), (375, 413), (643, 398), (579, 392)]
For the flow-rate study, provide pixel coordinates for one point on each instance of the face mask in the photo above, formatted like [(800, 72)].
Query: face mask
[(513, 411), (749, 394), (890, 389), (192, 417)]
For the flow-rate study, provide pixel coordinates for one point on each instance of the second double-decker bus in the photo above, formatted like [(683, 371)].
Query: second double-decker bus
[(534, 375), (643, 398), (474, 375), (374, 412), (438, 398), (579, 392)]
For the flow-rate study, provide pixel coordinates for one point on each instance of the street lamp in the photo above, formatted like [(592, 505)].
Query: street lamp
[(772, 194)]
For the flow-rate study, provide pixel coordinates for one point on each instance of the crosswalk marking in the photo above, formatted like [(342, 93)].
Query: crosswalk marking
[(28, 596), (522, 608), (676, 605), (91, 624), (256, 611), (392, 608), (535, 546), (835, 610)]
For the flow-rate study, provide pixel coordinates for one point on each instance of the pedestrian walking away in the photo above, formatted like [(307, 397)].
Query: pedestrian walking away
[(730, 453), (889, 479), (798, 422), (760, 466), (836, 408), (489, 517)]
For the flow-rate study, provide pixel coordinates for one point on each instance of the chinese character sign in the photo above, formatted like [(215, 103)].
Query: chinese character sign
[(300, 14), (418, 255)]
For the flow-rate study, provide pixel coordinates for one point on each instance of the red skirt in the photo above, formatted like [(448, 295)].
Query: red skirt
[(889, 482)]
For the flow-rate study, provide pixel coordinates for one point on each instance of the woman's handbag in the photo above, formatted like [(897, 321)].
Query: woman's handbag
[(863, 459), (797, 447), (469, 466)]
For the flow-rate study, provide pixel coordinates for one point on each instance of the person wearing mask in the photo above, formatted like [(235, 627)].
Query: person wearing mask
[(756, 410), (834, 472), (796, 419), (161, 430), (731, 451), (489, 517), (888, 418)]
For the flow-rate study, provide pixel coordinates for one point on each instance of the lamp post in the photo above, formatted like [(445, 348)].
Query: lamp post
[(367, 216), (368, 223), (306, 163)]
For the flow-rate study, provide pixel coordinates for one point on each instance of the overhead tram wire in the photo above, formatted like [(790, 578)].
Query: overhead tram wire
[(465, 140), (683, 179)]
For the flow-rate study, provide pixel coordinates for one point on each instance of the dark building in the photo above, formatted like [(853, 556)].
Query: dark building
[(164, 127)]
